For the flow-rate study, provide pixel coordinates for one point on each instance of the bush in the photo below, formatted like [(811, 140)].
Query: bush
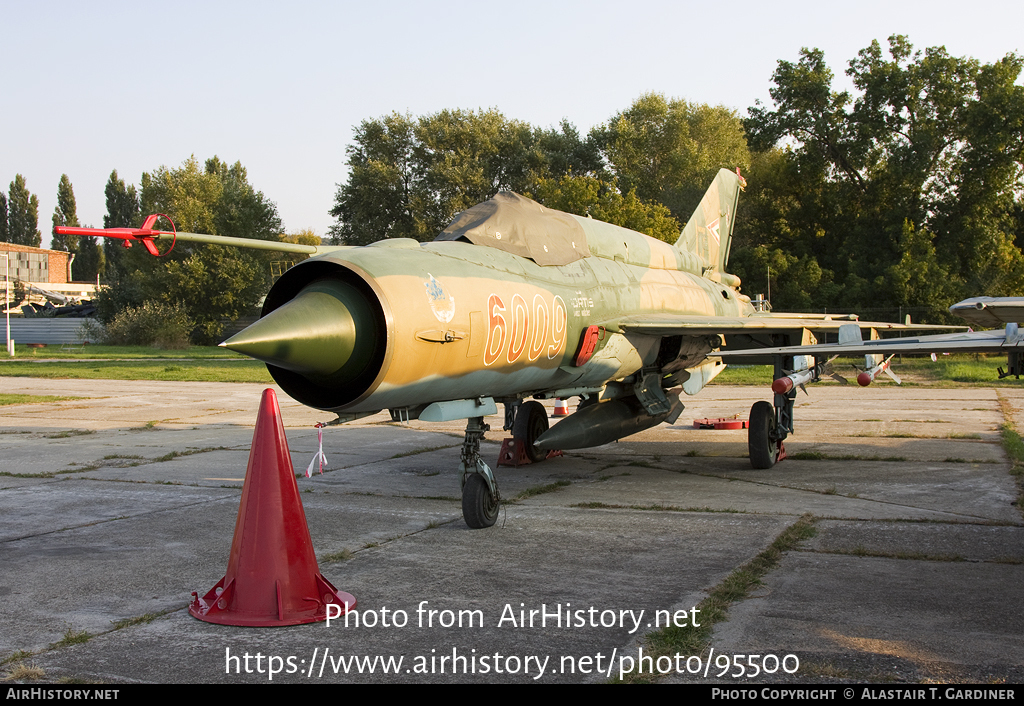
[(152, 324)]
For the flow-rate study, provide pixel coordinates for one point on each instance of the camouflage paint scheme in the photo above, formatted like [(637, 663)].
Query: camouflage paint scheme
[(465, 321), (451, 320), (513, 301)]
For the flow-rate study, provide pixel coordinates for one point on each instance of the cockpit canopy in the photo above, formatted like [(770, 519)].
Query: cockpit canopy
[(520, 226)]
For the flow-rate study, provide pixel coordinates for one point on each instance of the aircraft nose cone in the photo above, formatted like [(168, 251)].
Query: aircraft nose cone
[(317, 333)]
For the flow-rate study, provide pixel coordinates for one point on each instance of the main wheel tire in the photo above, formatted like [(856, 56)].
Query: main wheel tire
[(479, 507), (531, 422), (762, 446)]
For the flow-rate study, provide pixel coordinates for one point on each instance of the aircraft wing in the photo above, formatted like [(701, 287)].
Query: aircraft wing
[(674, 325), (1005, 340)]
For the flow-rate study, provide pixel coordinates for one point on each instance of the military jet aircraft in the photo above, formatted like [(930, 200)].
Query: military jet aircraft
[(514, 301)]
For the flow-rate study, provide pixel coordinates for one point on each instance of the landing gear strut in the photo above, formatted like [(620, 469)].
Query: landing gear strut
[(480, 496), (770, 424)]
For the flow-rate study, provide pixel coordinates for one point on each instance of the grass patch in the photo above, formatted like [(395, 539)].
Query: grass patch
[(92, 352), (138, 620), (72, 637), (24, 672), (691, 640), (6, 399), (861, 550), (212, 370), (819, 456), (191, 452), (71, 432), (540, 490), (17, 656), (343, 555), (744, 375), (823, 669), (963, 370), (908, 435)]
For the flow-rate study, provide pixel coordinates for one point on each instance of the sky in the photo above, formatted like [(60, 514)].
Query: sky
[(94, 86)]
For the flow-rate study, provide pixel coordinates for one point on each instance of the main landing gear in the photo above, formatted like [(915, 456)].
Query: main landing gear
[(770, 424), (531, 421)]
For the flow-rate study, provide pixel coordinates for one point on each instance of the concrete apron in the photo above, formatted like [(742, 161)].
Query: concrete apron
[(114, 507)]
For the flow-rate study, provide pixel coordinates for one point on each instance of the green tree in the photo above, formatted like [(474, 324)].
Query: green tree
[(668, 151), (4, 235), (23, 215), (122, 204), (465, 157), (88, 257), (377, 200), (907, 191), (90, 261), (122, 212), (212, 283), (65, 214), (590, 196), (408, 177)]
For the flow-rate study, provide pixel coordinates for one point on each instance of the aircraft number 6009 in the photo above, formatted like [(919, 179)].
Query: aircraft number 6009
[(519, 330)]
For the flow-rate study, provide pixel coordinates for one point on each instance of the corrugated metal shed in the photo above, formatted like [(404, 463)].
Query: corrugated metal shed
[(48, 331)]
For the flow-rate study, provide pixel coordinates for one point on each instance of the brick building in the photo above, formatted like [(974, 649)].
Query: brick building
[(35, 265)]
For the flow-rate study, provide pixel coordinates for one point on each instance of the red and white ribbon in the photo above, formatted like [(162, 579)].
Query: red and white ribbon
[(319, 454)]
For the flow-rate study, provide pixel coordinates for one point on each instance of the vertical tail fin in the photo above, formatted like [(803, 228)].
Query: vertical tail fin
[(708, 233)]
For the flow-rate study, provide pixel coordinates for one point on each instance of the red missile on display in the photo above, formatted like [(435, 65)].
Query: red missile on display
[(869, 375), (785, 384)]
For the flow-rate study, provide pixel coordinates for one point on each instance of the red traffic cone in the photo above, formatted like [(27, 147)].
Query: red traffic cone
[(272, 577), (561, 408)]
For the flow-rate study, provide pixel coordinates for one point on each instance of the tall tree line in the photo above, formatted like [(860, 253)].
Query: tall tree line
[(212, 283), (88, 260), (19, 215), (408, 177), (906, 193)]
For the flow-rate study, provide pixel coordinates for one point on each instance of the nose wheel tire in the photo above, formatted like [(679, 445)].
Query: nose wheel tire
[(761, 441), (479, 507), (531, 422)]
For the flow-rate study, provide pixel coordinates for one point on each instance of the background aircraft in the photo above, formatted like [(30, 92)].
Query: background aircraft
[(515, 301)]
